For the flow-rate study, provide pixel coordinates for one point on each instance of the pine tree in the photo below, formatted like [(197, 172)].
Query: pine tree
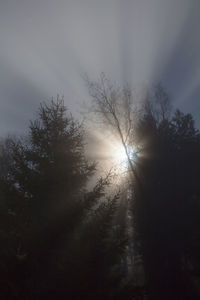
[(64, 237), (166, 209)]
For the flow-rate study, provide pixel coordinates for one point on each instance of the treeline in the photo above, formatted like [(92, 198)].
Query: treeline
[(63, 240)]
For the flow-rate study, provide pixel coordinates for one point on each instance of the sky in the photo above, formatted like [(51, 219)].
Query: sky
[(47, 46)]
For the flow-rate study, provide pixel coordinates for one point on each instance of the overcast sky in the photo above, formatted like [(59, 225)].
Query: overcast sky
[(47, 45)]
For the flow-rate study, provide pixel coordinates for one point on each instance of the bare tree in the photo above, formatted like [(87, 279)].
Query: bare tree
[(117, 109)]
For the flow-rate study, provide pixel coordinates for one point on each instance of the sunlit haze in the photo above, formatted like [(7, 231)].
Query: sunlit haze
[(119, 157), (110, 153)]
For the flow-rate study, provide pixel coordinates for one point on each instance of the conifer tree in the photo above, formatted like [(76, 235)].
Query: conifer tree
[(65, 242)]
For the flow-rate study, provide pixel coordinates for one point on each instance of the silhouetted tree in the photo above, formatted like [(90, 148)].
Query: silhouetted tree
[(65, 240), (164, 209), (115, 107)]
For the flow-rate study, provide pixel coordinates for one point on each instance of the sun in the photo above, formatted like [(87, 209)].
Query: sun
[(111, 155), (120, 157)]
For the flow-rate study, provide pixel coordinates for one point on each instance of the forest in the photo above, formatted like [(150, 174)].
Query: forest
[(69, 232)]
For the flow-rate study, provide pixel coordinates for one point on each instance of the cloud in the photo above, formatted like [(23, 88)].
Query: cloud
[(46, 46)]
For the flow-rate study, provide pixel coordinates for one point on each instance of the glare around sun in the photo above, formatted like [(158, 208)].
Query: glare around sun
[(119, 157), (112, 155)]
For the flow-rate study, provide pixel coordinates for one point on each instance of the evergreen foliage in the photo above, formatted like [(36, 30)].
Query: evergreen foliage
[(166, 207), (59, 240)]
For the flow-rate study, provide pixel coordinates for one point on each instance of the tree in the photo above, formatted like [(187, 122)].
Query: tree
[(115, 108), (164, 185), (64, 236), (164, 211)]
